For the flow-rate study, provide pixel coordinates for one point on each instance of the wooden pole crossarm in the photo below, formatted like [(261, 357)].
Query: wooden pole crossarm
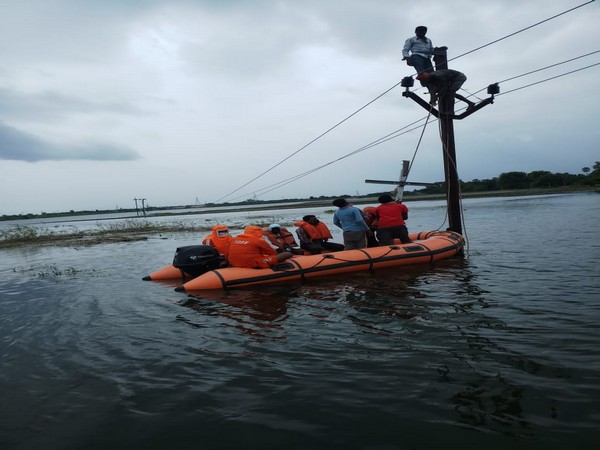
[(436, 113), (420, 101), (402, 183), (477, 107)]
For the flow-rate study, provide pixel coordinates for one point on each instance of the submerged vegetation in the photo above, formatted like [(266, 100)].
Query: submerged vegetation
[(126, 231)]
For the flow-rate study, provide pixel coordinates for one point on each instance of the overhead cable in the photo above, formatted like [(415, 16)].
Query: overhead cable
[(377, 142), (388, 90)]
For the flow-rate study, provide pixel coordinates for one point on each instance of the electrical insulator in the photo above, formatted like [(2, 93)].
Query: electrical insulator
[(493, 89), (407, 82)]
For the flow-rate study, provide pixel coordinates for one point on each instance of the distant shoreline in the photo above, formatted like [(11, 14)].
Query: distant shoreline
[(300, 203), (408, 197), (130, 229)]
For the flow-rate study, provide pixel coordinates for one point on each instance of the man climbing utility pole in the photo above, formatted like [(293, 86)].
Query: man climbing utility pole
[(446, 117)]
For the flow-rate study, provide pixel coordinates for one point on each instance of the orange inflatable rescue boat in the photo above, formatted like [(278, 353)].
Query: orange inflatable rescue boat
[(427, 247)]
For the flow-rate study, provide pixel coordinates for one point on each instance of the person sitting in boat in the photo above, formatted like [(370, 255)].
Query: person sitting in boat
[(282, 239), (391, 216), (371, 221), (314, 236), (249, 249), (220, 239), (351, 221)]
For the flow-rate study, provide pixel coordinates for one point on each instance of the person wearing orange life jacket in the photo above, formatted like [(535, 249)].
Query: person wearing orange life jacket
[(282, 239), (249, 249), (314, 236), (219, 238)]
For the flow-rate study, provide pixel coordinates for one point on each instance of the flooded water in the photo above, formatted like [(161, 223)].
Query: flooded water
[(498, 350)]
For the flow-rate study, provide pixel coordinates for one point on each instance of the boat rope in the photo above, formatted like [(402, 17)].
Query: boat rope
[(390, 89)]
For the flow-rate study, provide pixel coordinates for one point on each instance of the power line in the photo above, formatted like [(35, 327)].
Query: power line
[(539, 70), (311, 142), (548, 79), (388, 90), (522, 30), (388, 137)]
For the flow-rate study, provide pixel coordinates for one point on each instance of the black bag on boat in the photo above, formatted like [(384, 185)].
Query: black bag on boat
[(197, 259)]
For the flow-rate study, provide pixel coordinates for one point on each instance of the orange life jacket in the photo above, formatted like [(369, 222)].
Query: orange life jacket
[(282, 240), (314, 232), (249, 249), (219, 239)]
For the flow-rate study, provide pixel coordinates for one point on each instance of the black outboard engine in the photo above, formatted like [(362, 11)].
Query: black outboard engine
[(197, 259)]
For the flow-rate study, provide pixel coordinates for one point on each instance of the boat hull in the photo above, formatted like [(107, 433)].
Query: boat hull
[(427, 247)]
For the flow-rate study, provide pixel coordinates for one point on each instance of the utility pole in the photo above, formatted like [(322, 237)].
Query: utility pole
[(446, 117), (136, 206)]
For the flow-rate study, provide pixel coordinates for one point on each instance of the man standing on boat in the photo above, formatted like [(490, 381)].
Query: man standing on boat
[(391, 216), (351, 221)]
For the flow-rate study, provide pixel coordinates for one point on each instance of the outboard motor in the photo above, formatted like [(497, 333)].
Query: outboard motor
[(197, 259)]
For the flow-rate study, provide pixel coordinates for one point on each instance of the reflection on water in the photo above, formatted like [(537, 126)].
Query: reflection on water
[(254, 313)]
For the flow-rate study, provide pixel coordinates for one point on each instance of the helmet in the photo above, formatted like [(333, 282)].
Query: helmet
[(253, 230), (274, 225), (220, 230)]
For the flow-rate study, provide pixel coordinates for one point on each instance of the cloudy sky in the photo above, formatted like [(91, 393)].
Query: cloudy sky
[(179, 101)]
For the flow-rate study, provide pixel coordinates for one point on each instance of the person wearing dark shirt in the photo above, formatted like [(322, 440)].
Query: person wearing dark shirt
[(444, 82)]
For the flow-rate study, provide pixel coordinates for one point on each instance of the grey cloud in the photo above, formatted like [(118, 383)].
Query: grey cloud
[(18, 145), (51, 105)]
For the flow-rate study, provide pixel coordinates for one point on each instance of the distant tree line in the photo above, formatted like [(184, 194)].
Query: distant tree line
[(522, 180)]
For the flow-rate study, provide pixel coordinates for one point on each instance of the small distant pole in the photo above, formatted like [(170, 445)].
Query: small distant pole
[(143, 206), (402, 183), (136, 207)]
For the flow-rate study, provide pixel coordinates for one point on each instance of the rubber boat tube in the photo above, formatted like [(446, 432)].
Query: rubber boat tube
[(169, 272), (427, 247)]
